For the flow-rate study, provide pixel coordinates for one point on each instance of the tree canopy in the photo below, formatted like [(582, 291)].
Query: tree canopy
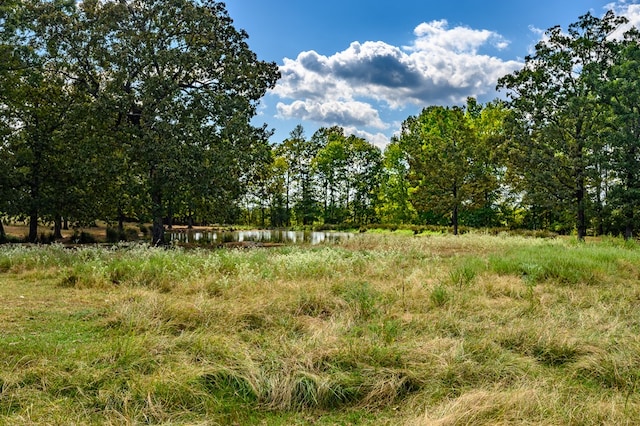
[(556, 98), (145, 93), (142, 110)]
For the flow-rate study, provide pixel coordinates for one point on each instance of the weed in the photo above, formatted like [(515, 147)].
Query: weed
[(361, 297), (465, 272), (439, 296)]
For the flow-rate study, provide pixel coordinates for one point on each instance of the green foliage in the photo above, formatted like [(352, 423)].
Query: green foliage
[(158, 109), (440, 295), (623, 132), (451, 165), (395, 206), (96, 79), (555, 148)]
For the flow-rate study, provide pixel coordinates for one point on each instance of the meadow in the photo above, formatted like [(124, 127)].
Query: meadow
[(383, 328)]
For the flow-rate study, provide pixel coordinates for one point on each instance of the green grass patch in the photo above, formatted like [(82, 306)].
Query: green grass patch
[(381, 329)]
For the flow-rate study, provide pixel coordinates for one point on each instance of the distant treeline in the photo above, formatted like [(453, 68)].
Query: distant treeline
[(116, 110)]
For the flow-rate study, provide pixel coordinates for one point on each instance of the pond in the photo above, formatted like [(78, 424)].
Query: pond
[(258, 236)]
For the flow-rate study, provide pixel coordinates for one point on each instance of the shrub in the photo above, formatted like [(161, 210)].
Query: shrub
[(83, 238), (114, 235), (46, 238), (131, 234)]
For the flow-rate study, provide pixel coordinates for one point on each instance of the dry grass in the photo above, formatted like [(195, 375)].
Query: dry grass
[(381, 329)]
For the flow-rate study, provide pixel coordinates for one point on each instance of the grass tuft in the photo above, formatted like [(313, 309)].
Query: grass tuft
[(383, 328)]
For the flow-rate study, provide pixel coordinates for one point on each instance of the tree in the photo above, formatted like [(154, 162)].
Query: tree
[(330, 165), (364, 165), (6, 9), (276, 191), (184, 80), (488, 124), (348, 170), (36, 104), (559, 116), (441, 149), (394, 204), (299, 154), (622, 93), (149, 94)]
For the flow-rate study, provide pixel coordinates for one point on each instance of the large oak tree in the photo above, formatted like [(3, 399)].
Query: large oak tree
[(167, 87), (559, 113)]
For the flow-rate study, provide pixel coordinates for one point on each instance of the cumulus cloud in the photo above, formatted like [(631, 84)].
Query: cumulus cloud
[(629, 10), (352, 113), (378, 139), (442, 65), (436, 34)]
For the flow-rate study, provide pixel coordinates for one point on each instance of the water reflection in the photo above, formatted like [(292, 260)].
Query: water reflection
[(258, 236)]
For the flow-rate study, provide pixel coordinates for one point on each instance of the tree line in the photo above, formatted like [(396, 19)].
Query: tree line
[(560, 153), (141, 110)]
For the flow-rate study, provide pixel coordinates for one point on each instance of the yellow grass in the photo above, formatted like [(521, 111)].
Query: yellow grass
[(380, 329)]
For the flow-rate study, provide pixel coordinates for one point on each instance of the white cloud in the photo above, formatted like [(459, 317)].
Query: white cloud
[(629, 11), (378, 139), (333, 111), (442, 65), (436, 34)]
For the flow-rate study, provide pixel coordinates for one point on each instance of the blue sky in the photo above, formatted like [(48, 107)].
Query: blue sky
[(367, 65)]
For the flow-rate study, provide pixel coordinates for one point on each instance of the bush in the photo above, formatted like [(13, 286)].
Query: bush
[(114, 235), (46, 238), (83, 238), (4, 239), (131, 234)]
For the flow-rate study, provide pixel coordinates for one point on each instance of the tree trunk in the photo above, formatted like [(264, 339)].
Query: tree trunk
[(628, 228), (120, 222), (582, 218), (190, 220), (287, 208), (3, 235), (628, 231), (157, 232), (580, 183), (65, 223), (33, 225), (454, 215), (35, 202), (454, 220), (170, 216), (57, 228)]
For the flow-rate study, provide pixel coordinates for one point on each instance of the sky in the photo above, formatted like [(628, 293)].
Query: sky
[(368, 65)]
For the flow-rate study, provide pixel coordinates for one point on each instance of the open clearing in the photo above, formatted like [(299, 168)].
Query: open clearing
[(379, 329)]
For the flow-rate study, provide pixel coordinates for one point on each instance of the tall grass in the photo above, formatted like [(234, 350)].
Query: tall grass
[(381, 329)]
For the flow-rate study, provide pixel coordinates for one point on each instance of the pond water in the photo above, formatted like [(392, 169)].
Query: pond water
[(259, 236)]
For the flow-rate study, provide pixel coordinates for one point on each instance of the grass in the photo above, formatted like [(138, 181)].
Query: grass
[(380, 329)]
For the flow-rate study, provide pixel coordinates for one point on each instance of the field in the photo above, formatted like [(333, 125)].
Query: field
[(380, 329)]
